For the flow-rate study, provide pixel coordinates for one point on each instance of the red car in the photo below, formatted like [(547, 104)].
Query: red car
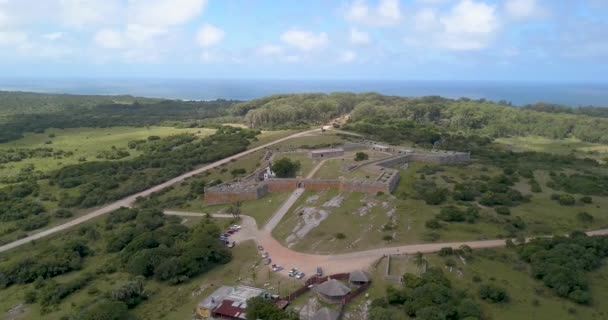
[(230, 232)]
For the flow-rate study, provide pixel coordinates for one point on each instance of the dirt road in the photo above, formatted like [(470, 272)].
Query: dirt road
[(130, 199), (338, 263)]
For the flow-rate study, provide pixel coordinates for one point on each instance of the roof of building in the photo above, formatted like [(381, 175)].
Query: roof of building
[(326, 314), (214, 299), (231, 309), (238, 294), (358, 276), (327, 150), (332, 288)]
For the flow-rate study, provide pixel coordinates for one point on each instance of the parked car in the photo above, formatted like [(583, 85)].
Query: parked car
[(235, 227), (276, 268), (267, 261), (265, 255), (300, 275), (319, 272), (260, 248), (226, 235), (292, 272), (230, 244), (230, 231)]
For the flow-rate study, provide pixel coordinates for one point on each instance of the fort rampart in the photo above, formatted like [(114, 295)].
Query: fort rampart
[(255, 186)]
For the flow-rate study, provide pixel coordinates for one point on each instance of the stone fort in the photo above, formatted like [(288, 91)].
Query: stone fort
[(261, 182)]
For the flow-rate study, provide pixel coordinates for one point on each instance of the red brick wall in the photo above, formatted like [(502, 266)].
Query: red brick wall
[(282, 185)]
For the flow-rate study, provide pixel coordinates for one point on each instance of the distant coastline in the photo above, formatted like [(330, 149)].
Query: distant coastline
[(518, 93)]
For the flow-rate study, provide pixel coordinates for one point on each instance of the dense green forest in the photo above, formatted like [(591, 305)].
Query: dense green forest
[(139, 245), (17, 102), (427, 117), (136, 114)]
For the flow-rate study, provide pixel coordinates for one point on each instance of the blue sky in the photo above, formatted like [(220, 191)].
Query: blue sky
[(524, 40)]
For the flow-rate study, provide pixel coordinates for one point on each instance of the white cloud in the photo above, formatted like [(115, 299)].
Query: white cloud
[(386, 13), (13, 38), (305, 40), (82, 13), (270, 50), (209, 35), (292, 58), (348, 56), (164, 12), (53, 36), (469, 25), (109, 39), (523, 9), (359, 37)]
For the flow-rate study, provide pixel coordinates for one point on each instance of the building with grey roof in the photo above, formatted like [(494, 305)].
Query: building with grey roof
[(358, 278), (331, 291)]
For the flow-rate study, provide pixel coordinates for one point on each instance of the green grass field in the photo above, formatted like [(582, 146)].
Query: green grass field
[(564, 146), (84, 142), (529, 298)]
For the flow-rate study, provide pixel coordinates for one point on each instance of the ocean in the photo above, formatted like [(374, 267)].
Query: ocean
[(518, 93)]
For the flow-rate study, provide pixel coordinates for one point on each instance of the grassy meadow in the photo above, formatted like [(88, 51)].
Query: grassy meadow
[(84, 143)]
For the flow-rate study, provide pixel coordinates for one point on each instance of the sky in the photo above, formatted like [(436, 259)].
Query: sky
[(490, 40)]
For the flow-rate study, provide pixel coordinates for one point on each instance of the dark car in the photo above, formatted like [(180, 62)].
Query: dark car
[(319, 272)]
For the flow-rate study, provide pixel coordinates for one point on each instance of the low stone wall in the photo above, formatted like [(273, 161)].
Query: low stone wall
[(228, 196)]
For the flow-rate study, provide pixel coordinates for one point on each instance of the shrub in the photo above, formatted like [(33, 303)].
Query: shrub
[(584, 217), (361, 156), (387, 237), (566, 200), (63, 213), (445, 251), (285, 168), (505, 211), (340, 235), (433, 224), (586, 199), (493, 294)]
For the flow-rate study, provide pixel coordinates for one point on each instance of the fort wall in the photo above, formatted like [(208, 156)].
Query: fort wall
[(254, 186)]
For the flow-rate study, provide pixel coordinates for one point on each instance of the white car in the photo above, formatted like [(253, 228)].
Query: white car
[(300, 275), (235, 227), (265, 255), (276, 268), (293, 272)]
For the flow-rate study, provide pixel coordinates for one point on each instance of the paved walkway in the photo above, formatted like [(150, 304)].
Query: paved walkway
[(126, 202)]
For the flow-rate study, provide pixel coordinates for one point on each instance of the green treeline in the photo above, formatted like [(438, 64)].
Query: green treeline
[(112, 115), (421, 119)]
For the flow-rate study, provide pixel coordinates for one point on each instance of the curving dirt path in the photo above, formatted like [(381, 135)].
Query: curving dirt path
[(339, 263), (126, 202)]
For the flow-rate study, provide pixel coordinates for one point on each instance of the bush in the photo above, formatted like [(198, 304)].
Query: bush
[(63, 213), (340, 235), (505, 211), (361, 156), (584, 217), (387, 237), (586, 199), (566, 200), (285, 168), (433, 224), (493, 294), (445, 251)]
